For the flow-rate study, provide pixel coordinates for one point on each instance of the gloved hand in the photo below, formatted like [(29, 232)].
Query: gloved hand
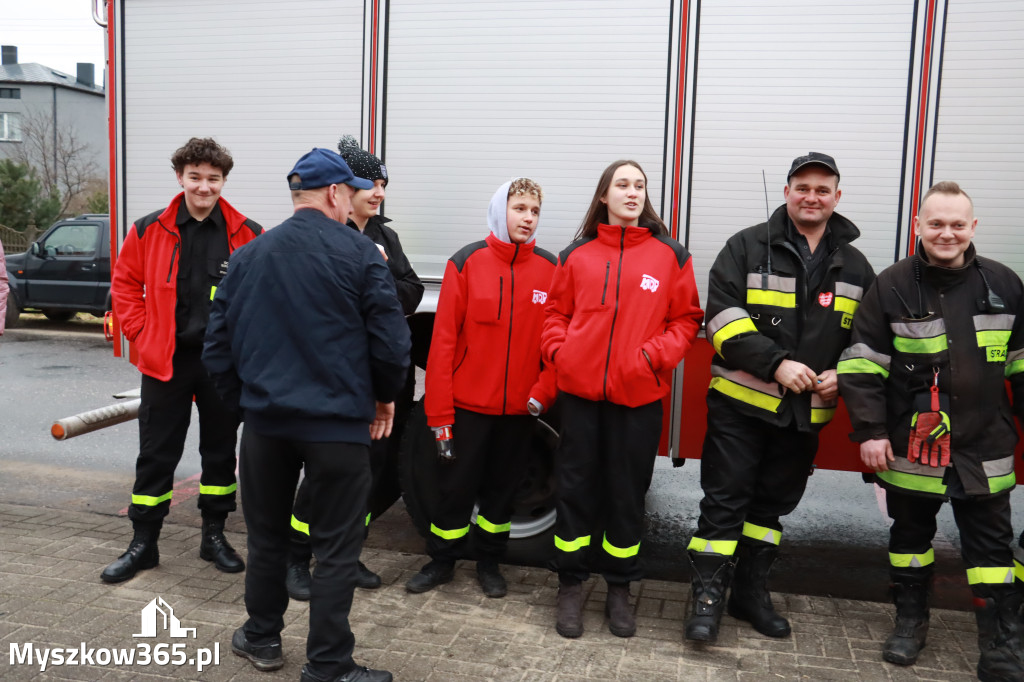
[(444, 443), (534, 407), (930, 430)]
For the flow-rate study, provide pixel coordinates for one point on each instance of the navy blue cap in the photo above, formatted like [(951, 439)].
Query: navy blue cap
[(813, 159), (321, 168)]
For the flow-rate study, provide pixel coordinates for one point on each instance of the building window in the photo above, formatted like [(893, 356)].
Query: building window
[(10, 93), (10, 127)]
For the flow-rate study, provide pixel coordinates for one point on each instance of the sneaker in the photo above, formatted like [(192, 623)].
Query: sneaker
[(263, 657), (430, 576), (491, 581), (367, 579), (360, 674)]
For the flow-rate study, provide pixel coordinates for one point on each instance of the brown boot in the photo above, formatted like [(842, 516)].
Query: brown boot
[(570, 610), (621, 620)]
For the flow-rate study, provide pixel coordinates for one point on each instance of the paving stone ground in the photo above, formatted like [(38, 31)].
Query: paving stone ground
[(51, 596)]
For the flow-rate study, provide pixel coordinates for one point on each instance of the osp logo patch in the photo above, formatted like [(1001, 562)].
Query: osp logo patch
[(540, 296), (648, 283), (825, 299)]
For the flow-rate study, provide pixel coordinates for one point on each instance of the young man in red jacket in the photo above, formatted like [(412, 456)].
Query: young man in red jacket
[(166, 274), (483, 370)]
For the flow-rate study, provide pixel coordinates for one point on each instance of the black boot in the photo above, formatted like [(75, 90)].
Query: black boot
[(142, 554), (621, 619), (216, 548), (999, 635), (297, 579), (910, 594), (569, 609), (750, 599), (710, 575)]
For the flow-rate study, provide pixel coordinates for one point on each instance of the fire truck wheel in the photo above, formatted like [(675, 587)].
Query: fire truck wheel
[(531, 540)]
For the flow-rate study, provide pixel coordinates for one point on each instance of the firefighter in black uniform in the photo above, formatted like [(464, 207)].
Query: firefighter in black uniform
[(780, 306), (924, 381)]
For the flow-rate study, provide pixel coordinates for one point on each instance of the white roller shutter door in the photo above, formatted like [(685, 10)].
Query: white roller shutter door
[(778, 79), (980, 138), (275, 83), (480, 91)]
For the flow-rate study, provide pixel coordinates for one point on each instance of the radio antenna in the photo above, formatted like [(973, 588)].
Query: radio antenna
[(768, 229)]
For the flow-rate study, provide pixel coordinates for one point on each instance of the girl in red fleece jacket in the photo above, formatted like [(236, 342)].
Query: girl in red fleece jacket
[(622, 313)]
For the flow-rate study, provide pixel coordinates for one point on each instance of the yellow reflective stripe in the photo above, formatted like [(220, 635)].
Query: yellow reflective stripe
[(924, 484), (766, 297), (620, 552), (368, 515), (1015, 367), (741, 326), (217, 489), (723, 547), (846, 305), (149, 501), (745, 395), (486, 525), (822, 415), (935, 344), (998, 484), (990, 575), (993, 337), (761, 533), (1018, 570), (449, 534), (300, 526), (572, 545), (861, 366), (213, 290), (912, 560)]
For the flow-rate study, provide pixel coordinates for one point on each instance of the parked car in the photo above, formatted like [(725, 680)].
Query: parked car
[(66, 271)]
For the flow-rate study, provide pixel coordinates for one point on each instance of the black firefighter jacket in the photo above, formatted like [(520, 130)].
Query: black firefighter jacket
[(760, 314), (920, 319)]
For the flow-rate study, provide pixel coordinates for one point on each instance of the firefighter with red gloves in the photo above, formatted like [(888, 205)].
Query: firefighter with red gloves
[(483, 370), (924, 382)]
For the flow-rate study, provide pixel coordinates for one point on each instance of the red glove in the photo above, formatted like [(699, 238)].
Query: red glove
[(930, 431)]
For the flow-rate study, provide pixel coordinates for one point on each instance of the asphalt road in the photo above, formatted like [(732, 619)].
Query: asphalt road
[(834, 544)]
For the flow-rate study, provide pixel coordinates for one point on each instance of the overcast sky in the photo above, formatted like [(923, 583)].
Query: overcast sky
[(54, 33)]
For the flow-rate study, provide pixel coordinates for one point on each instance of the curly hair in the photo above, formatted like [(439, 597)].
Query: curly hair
[(526, 186), (202, 150)]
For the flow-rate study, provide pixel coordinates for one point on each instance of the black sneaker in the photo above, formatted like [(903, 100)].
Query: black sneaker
[(298, 581), (491, 581), (360, 674), (367, 579), (263, 657), (430, 576)]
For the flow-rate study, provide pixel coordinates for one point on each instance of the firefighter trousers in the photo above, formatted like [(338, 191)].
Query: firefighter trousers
[(165, 412), (490, 462), (986, 533), (603, 469), (339, 479), (752, 473)]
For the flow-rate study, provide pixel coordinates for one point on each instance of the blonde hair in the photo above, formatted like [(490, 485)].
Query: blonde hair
[(945, 187), (526, 187)]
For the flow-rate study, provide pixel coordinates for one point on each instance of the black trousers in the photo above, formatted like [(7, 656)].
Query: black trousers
[(164, 416), (339, 480), (603, 468), (750, 472), (985, 526), (385, 488), (490, 462)]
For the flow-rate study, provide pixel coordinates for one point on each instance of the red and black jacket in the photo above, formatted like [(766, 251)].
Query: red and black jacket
[(485, 351), (144, 282), (623, 312)]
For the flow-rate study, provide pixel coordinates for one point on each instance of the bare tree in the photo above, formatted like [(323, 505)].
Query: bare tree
[(62, 159)]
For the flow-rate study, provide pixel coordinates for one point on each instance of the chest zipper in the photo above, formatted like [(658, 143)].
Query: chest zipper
[(174, 256), (615, 314)]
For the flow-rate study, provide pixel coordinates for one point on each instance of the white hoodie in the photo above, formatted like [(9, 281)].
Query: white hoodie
[(497, 215)]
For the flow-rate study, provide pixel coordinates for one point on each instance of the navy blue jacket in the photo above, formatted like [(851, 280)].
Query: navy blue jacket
[(306, 331)]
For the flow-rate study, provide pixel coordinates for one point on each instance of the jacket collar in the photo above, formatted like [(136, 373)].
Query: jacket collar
[(843, 230), (232, 218), (614, 235), (509, 252)]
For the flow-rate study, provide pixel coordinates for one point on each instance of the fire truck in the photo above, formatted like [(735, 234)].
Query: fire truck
[(457, 96)]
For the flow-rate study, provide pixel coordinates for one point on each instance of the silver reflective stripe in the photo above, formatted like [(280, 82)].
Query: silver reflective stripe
[(775, 283), (1014, 356), (849, 291), (817, 402), (863, 350), (919, 330), (746, 379), (998, 467), (904, 465), (1003, 321), (723, 318)]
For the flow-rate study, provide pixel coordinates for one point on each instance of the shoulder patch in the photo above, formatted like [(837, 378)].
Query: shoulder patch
[(142, 223), (463, 254), (255, 227), (567, 251), (682, 255), (546, 255)]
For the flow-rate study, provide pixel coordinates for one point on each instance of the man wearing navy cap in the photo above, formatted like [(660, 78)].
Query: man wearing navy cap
[(780, 307), (306, 334)]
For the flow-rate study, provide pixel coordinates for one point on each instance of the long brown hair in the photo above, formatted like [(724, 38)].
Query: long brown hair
[(598, 211)]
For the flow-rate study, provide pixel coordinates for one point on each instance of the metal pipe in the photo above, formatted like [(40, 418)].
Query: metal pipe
[(94, 420), (98, 13)]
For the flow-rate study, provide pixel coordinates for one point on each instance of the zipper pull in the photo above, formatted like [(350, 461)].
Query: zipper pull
[(935, 390)]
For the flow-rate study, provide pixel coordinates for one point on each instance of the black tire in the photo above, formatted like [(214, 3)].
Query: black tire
[(13, 317), (533, 520), (59, 315)]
